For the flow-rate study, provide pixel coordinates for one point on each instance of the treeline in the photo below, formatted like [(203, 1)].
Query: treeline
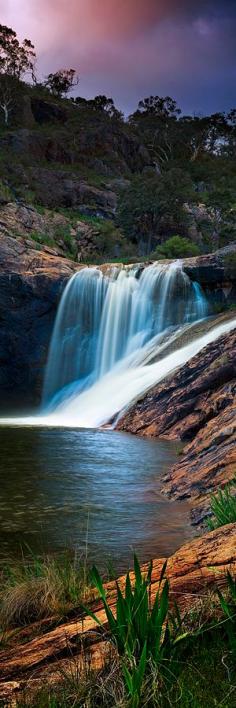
[(190, 160)]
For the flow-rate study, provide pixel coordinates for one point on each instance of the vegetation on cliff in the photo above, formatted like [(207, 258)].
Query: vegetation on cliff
[(137, 181)]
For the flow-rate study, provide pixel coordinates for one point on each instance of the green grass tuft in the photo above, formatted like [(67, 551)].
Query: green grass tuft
[(223, 507)]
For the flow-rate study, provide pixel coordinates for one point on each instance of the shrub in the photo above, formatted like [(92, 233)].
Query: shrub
[(228, 605), (5, 193), (223, 507), (43, 239), (144, 632), (39, 587), (150, 200), (177, 247)]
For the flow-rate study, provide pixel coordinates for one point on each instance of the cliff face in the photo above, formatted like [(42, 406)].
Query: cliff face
[(196, 405), (31, 283)]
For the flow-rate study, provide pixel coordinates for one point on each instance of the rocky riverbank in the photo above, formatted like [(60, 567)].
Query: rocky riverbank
[(196, 405)]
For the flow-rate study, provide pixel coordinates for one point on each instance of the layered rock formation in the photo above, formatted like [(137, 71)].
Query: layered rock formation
[(197, 405), (192, 571), (31, 283)]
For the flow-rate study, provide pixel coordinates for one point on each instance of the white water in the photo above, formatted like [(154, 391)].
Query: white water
[(104, 321), (106, 332)]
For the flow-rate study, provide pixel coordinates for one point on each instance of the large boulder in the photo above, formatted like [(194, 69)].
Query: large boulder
[(60, 188)]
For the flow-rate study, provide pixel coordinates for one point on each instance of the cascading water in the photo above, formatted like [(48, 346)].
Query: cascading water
[(110, 322), (116, 335)]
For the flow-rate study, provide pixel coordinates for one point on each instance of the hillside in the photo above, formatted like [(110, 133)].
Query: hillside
[(83, 181)]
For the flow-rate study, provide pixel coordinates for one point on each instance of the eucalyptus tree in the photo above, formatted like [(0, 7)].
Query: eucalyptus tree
[(16, 61)]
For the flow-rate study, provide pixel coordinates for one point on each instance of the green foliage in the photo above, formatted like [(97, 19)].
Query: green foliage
[(40, 586), (63, 233), (176, 247), (186, 159), (143, 633), (100, 104), (109, 239), (43, 239), (223, 506), (154, 205), (15, 59), (228, 606), (5, 193), (60, 83), (207, 675)]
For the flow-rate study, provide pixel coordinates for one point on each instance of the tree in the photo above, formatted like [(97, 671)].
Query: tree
[(15, 59), (106, 105), (154, 206), (101, 104), (156, 121), (159, 107), (60, 83), (7, 94)]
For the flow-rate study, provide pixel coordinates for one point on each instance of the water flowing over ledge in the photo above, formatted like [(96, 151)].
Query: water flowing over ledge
[(107, 331)]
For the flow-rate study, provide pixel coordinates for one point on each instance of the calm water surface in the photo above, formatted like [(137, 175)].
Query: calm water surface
[(60, 486)]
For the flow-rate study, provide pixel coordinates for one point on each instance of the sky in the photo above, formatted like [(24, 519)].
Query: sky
[(131, 49)]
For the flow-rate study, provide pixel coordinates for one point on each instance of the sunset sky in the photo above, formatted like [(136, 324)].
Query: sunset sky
[(130, 49)]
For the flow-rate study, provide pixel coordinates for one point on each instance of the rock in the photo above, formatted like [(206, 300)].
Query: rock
[(31, 145), (60, 188), (195, 568), (102, 198), (197, 404), (118, 184), (46, 230), (47, 112), (213, 269), (204, 225), (31, 283), (86, 236), (24, 219)]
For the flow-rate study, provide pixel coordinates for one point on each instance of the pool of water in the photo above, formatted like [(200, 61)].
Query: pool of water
[(94, 489)]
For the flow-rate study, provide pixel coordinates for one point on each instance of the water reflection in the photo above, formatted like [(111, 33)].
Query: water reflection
[(57, 483)]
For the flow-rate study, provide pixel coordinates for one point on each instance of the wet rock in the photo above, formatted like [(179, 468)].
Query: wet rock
[(196, 405), (31, 283)]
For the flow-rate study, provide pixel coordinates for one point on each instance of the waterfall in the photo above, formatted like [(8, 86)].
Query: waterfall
[(113, 321), (116, 335)]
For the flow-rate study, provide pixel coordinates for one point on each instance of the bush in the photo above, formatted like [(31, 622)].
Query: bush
[(5, 193), (176, 247), (228, 606), (223, 507), (144, 632), (153, 204), (39, 587)]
